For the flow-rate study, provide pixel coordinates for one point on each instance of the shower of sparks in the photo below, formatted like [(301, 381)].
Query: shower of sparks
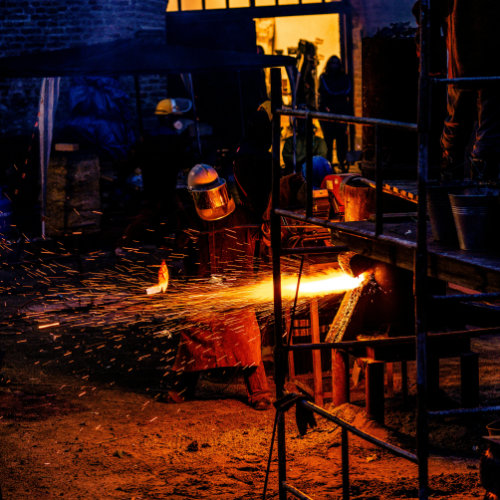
[(92, 311)]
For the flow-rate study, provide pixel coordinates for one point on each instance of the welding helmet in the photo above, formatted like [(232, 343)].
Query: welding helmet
[(175, 106), (209, 191)]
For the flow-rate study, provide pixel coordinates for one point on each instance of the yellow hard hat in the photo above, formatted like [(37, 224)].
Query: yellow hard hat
[(173, 106), (266, 106)]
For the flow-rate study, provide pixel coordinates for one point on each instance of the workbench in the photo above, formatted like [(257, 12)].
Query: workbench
[(475, 270), (478, 271)]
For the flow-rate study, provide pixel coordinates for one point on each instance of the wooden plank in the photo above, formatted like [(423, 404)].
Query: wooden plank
[(374, 391), (316, 354), (340, 377), (469, 379)]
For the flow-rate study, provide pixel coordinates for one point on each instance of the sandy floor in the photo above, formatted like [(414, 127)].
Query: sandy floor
[(81, 417)]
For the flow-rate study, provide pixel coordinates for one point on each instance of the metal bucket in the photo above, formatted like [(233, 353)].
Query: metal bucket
[(474, 216), (440, 214), (359, 199)]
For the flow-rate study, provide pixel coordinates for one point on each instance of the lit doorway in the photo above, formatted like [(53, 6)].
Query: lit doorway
[(281, 35)]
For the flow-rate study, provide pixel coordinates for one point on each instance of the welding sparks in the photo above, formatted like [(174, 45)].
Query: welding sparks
[(48, 325)]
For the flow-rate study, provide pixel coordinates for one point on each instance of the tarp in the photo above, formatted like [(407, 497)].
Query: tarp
[(49, 95), (133, 57)]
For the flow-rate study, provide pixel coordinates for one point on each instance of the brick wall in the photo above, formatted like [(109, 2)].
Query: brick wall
[(374, 15), (31, 26)]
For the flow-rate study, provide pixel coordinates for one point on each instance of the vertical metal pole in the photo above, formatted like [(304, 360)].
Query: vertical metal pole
[(346, 44), (138, 105), (279, 350), (420, 269), (345, 464), (309, 164), (242, 109), (378, 184)]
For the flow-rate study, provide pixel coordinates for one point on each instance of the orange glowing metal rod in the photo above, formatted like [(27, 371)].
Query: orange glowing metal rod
[(48, 325), (162, 285), (310, 286)]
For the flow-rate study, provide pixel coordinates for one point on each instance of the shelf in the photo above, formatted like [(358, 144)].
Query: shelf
[(476, 270)]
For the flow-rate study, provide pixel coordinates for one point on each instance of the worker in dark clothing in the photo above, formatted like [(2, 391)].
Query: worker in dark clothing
[(334, 97), (253, 160), (472, 42), (227, 243), (163, 151), (319, 148)]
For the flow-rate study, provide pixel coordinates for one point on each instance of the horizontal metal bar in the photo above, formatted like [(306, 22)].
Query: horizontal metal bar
[(314, 250), (294, 491), (467, 297), (349, 344), (467, 79), (395, 450), (228, 14), (464, 411), (299, 113), (303, 218)]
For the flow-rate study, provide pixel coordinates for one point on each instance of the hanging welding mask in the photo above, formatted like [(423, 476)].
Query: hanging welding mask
[(209, 191)]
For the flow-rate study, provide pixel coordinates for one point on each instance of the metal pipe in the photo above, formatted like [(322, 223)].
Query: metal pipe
[(295, 492), (309, 165), (420, 265), (466, 298), (138, 105), (350, 344), (345, 464), (279, 352), (320, 115), (378, 186), (467, 79), (314, 250), (395, 450), (464, 411)]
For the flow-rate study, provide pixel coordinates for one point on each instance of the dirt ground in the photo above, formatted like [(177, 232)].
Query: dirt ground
[(82, 417)]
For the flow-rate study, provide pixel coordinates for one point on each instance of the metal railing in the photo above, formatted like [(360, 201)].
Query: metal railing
[(420, 269), (281, 349)]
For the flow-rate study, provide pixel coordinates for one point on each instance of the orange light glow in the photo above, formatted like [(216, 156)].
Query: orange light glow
[(310, 286), (162, 285)]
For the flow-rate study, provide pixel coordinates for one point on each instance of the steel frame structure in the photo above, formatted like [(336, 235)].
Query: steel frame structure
[(420, 271)]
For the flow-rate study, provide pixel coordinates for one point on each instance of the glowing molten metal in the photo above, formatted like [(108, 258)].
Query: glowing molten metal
[(310, 286), (162, 281)]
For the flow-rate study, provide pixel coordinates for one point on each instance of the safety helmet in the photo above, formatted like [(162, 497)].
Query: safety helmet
[(175, 106), (321, 168), (266, 107), (209, 191)]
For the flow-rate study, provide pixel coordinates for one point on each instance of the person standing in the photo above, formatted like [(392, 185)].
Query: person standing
[(471, 130), (293, 160), (334, 97)]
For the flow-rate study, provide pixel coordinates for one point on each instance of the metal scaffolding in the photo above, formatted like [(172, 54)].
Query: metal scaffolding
[(422, 297)]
